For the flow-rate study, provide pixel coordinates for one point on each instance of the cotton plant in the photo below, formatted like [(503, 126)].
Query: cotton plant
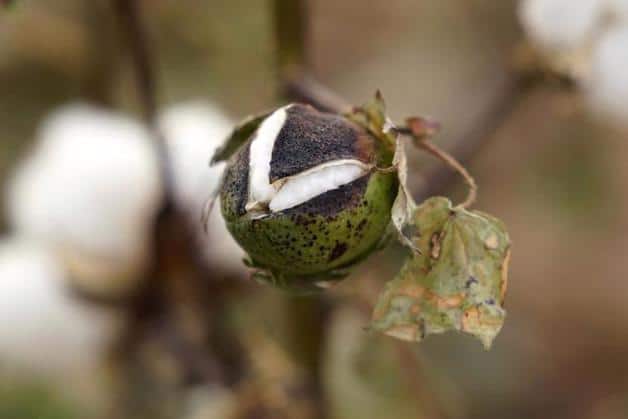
[(45, 330), (193, 131), (607, 85), (585, 40), (309, 194), (90, 189)]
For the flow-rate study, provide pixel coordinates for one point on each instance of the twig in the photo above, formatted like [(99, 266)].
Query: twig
[(446, 158), (291, 38), (421, 130), (508, 93), (291, 28), (305, 88), (131, 24), (178, 273)]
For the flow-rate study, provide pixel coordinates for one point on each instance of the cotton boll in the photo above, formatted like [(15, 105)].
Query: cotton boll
[(619, 9), (193, 131), (91, 189), (329, 207), (607, 87), (44, 329), (560, 25)]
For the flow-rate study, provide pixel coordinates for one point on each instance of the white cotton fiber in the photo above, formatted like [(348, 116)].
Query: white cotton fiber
[(619, 9), (193, 131), (44, 329), (561, 25), (316, 181), (260, 189), (607, 87), (90, 189)]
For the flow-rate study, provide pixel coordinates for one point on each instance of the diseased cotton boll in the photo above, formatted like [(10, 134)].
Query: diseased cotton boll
[(559, 25), (303, 197), (44, 329), (91, 189), (607, 86), (193, 131)]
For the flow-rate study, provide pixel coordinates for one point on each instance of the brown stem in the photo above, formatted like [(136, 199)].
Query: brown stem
[(134, 31), (507, 93), (178, 276), (291, 26), (132, 26), (434, 150), (306, 89)]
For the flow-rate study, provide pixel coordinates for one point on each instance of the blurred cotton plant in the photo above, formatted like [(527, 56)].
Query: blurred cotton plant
[(84, 204), (194, 131), (586, 40), (91, 189), (43, 326), (45, 331)]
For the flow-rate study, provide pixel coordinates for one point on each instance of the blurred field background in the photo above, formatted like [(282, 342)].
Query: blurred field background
[(550, 168)]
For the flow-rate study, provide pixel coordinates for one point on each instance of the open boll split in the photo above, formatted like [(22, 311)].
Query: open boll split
[(304, 195)]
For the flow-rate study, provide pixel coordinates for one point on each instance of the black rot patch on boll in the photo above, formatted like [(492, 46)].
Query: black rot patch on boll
[(237, 180), (339, 249), (309, 138)]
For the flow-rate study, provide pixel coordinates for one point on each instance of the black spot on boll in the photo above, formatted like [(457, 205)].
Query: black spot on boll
[(339, 249)]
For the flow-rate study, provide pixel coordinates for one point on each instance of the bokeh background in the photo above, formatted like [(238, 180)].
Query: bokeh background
[(76, 341)]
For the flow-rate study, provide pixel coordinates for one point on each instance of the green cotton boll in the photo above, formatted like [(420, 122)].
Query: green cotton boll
[(303, 194)]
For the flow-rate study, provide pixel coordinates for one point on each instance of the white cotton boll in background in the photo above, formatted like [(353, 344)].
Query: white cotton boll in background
[(193, 131), (619, 9), (90, 189), (214, 402), (607, 86), (560, 25), (44, 329)]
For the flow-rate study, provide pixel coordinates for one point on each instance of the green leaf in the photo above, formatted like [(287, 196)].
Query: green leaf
[(456, 283), (240, 134)]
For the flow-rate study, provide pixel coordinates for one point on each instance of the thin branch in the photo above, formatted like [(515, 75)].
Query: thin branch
[(308, 90), (175, 251), (421, 130), (291, 28), (508, 93), (134, 30), (446, 158)]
